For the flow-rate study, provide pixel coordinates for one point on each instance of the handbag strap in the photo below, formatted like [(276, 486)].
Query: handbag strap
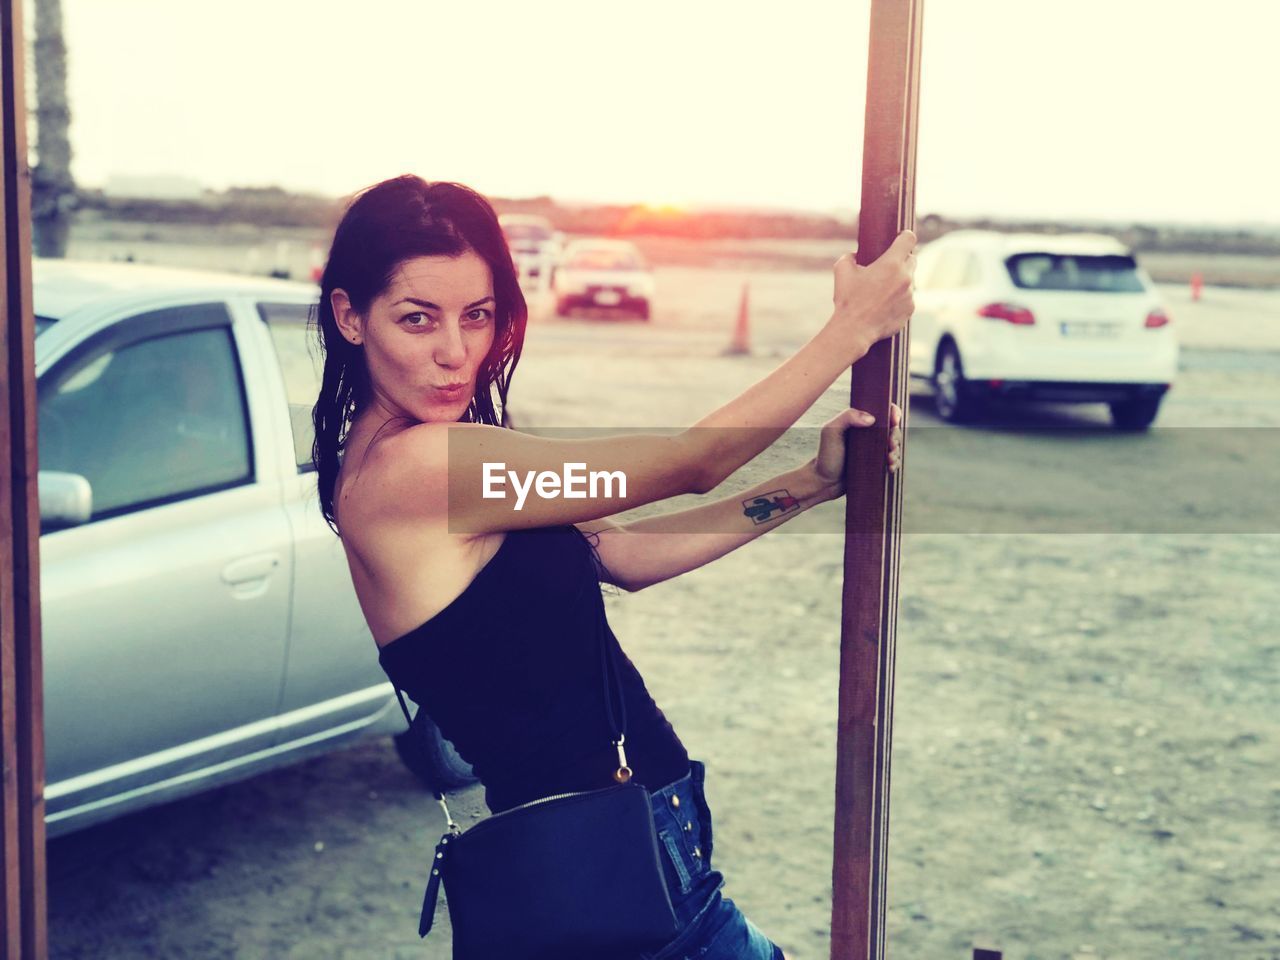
[(610, 674)]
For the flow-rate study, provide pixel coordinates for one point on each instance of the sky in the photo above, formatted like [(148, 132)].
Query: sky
[(1145, 110)]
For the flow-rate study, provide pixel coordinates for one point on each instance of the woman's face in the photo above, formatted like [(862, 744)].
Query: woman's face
[(431, 328)]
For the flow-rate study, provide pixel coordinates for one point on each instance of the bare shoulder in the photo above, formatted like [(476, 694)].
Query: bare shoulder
[(406, 568), (400, 477), (425, 444), (412, 467)]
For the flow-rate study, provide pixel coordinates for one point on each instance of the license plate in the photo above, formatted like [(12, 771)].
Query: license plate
[(1089, 328), (608, 298)]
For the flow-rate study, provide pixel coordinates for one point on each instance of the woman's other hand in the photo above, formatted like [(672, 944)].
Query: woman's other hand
[(828, 465), (875, 301)]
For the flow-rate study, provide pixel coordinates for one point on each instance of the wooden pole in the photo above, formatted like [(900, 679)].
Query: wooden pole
[(873, 507), (23, 933)]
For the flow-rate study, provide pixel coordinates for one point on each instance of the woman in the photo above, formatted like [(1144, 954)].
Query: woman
[(470, 600)]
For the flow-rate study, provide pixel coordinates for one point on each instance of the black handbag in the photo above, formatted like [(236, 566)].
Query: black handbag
[(572, 875)]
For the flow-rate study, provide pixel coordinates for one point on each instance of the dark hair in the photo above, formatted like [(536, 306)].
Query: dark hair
[(383, 226)]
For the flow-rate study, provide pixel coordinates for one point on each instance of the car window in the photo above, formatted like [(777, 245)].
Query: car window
[(302, 367), (601, 259), (1107, 273), (149, 421)]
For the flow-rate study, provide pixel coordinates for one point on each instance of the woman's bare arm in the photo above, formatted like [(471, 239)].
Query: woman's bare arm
[(472, 478), (643, 552)]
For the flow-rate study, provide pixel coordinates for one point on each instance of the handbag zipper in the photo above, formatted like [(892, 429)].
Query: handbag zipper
[(533, 803), (554, 796)]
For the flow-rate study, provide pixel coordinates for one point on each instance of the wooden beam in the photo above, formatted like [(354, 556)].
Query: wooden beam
[(23, 933), (873, 507)]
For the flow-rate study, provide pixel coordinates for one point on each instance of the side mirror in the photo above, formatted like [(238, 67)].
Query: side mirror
[(66, 499)]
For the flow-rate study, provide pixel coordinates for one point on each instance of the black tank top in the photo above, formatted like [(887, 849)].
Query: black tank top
[(510, 671)]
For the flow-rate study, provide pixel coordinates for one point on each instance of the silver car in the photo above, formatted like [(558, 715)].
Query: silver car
[(199, 620)]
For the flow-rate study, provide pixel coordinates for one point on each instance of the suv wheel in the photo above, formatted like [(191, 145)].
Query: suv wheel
[(430, 757), (952, 396), (1136, 413)]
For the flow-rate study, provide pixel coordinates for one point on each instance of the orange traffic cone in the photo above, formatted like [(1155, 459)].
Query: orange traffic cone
[(1197, 282), (741, 342)]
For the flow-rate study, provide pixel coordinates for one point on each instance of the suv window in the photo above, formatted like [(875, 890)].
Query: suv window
[(1107, 273), (302, 369), (149, 421)]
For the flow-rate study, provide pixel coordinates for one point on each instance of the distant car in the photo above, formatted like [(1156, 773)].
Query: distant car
[(603, 274), (1067, 318), (535, 247), (198, 616)]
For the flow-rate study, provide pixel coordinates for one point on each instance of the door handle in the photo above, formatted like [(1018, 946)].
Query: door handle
[(258, 567)]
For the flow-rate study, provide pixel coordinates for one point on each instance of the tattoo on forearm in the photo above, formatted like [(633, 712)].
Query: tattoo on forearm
[(761, 509)]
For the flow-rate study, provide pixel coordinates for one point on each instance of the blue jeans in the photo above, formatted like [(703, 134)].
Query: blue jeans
[(711, 925)]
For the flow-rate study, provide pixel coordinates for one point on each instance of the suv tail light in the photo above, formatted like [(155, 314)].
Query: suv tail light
[(1007, 311), (1156, 318)]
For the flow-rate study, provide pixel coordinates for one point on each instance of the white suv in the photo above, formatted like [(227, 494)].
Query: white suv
[(1068, 317)]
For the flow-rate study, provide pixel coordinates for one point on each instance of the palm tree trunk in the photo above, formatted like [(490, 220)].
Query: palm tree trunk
[(53, 192)]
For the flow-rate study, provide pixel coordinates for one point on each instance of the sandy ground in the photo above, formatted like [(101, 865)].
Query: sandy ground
[(1085, 738)]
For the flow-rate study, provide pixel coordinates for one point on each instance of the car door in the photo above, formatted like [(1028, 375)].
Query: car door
[(165, 615), (333, 682)]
